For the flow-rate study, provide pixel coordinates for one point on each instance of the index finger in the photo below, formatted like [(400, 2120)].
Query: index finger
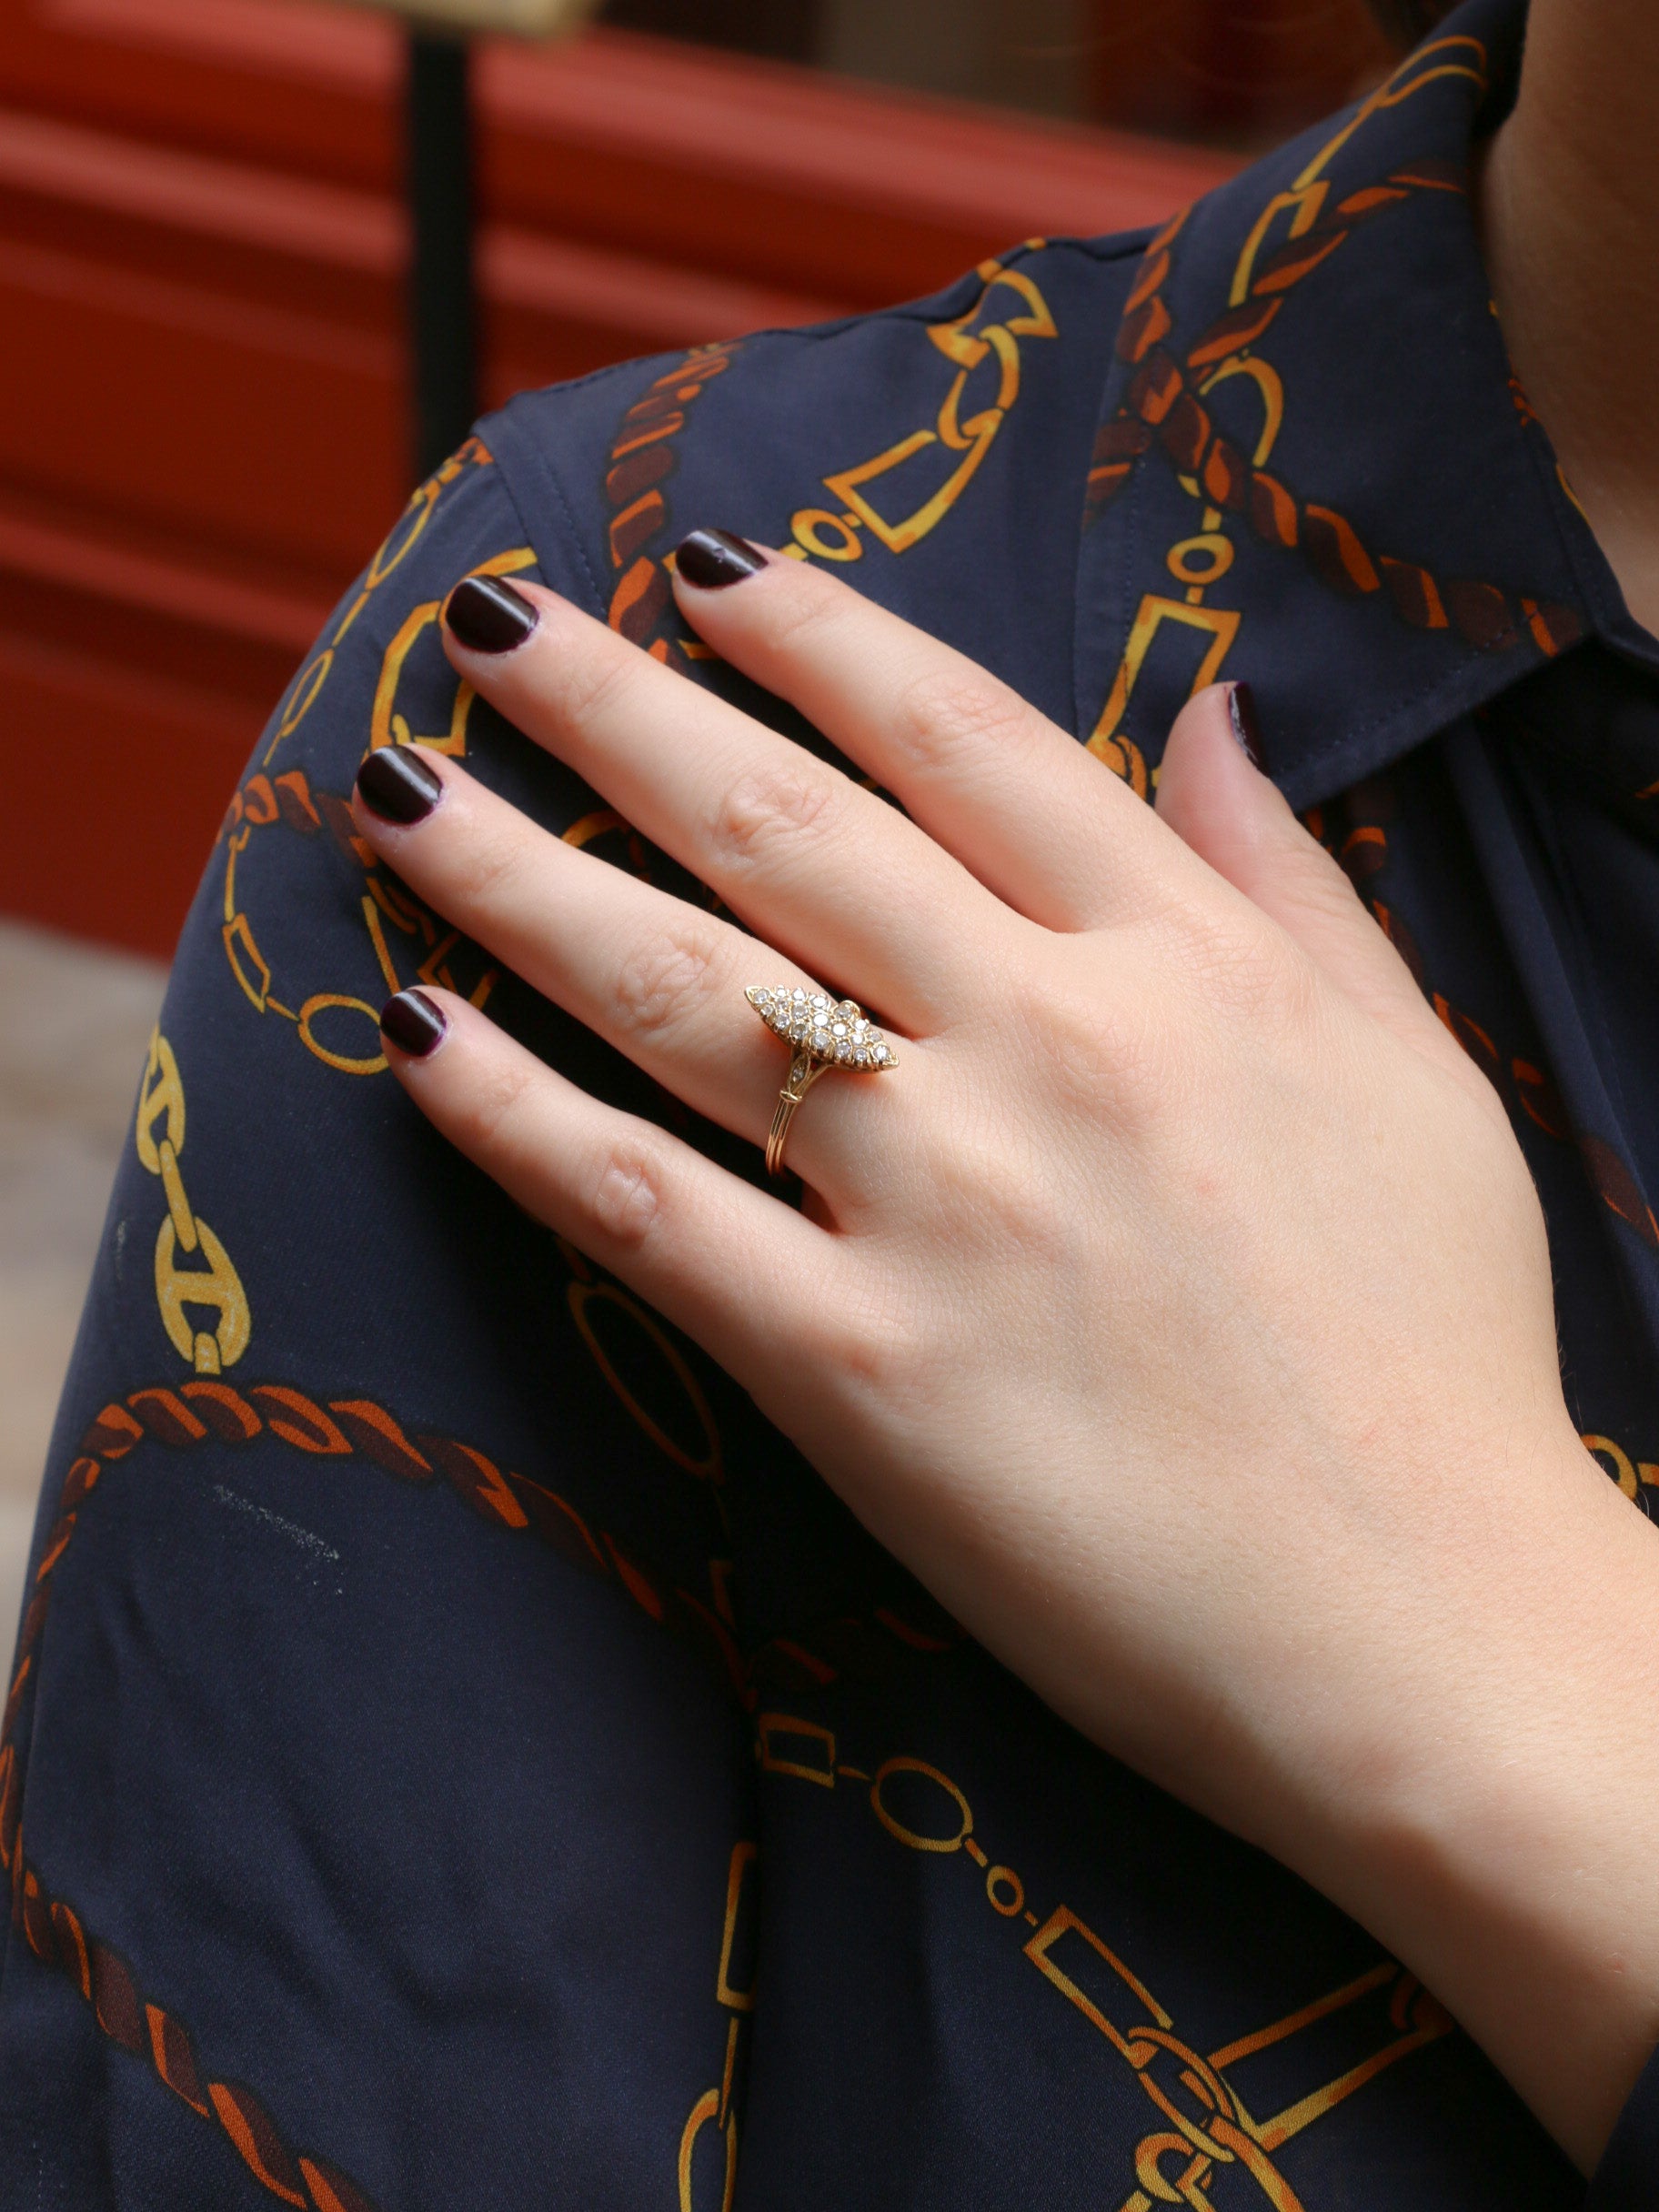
[(1031, 812), (814, 863)]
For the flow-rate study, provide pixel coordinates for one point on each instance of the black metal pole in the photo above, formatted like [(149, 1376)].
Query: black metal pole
[(443, 313)]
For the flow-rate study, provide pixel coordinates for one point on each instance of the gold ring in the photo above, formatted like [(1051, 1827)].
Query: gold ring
[(824, 1033)]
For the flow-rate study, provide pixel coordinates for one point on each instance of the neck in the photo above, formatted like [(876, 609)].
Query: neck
[(1569, 215)]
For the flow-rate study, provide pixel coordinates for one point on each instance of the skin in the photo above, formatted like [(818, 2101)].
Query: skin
[(1179, 1308), (1569, 210)]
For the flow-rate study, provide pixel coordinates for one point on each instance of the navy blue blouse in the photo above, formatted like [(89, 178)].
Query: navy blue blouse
[(459, 1755)]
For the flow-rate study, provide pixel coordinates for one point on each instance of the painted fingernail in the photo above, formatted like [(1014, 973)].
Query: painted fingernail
[(396, 784), (488, 615), (713, 558), (415, 1024), (1246, 724)]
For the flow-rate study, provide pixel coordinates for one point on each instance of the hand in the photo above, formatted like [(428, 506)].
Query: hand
[(1179, 1308)]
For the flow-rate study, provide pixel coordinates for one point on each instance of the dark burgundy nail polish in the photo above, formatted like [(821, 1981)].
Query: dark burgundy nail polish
[(713, 558), (489, 616), (413, 1023), (396, 784), (1246, 724)]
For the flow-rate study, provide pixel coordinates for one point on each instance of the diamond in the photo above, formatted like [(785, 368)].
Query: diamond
[(823, 1032)]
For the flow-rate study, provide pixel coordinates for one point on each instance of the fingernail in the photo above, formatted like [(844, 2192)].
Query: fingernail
[(713, 558), (1246, 724), (396, 784), (413, 1023), (489, 616)]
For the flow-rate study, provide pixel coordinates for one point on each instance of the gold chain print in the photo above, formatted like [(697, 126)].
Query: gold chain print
[(387, 726), (339, 1027), (1165, 407), (212, 1284), (363, 1436), (717, 2108), (1203, 2135), (838, 533), (1631, 1475)]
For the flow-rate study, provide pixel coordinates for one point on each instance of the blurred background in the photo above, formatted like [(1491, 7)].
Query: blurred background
[(204, 385)]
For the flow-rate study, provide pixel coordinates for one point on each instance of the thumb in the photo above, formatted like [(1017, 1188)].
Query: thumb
[(1212, 792)]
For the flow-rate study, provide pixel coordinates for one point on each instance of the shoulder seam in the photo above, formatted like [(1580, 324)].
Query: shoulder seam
[(572, 530), (1115, 247), (1119, 246)]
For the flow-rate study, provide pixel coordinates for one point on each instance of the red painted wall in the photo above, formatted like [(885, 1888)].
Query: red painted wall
[(202, 406)]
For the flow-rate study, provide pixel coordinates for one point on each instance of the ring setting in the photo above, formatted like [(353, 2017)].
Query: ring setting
[(824, 1033)]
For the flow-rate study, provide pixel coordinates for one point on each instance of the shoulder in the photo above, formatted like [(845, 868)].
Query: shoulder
[(893, 446)]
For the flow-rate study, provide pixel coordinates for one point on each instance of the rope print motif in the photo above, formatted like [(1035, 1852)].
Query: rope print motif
[(265, 797), (1163, 410), (213, 1411), (441, 954), (642, 459), (1362, 852)]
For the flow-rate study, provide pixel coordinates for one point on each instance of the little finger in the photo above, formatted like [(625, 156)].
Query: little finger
[(725, 1263)]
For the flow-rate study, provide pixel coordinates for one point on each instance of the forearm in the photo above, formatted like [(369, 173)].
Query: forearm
[(1494, 1825)]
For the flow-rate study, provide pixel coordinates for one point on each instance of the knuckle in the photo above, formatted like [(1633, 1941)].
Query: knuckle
[(1239, 966), (804, 608), (484, 869), (667, 981), (873, 1342), (1114, 1056), (951, 711), (595, 677), (993, 1187), (781, 802), (490, 1106), (1312, 886), (626, 1198)]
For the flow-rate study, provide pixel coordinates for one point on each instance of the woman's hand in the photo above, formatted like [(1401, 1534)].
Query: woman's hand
[(1179, 1308)]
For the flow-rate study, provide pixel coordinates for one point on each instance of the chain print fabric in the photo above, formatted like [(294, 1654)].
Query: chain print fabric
[(455, 1755)]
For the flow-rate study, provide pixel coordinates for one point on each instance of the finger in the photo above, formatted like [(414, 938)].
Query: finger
[(727, 1263), (816, 865), (1033, 814), (657, 978), (1234, 818)]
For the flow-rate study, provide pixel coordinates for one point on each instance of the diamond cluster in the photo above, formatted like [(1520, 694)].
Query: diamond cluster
[(830, 1028)]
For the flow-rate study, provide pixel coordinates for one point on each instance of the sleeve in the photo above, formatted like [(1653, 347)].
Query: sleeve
[(1627, 2179), (373, 1787)]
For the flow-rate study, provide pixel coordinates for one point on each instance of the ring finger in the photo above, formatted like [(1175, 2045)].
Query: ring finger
[(659, 979)]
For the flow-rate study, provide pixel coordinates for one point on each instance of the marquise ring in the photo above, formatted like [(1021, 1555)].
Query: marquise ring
[(822, 1033)]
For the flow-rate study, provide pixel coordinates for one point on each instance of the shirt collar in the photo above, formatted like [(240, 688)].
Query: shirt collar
[(1314, 468)]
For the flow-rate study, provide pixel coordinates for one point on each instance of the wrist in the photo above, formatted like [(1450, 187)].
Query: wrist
[(1491, 1816)]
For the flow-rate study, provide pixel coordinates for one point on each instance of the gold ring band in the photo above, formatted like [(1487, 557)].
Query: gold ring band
[(822, 1033)]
